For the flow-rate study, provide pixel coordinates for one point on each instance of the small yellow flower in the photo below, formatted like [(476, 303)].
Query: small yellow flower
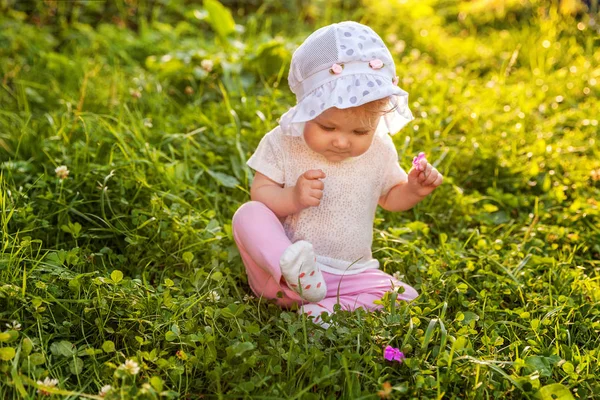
[(386, 390), (45, 385), (62, 172), (181, 355)]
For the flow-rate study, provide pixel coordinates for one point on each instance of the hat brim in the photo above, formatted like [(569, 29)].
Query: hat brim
[(346, 92)]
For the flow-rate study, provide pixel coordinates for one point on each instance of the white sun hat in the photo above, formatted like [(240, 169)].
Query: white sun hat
[(344, 65)]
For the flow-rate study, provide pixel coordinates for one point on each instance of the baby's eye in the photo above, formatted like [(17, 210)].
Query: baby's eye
[(361, 132), (327, 128)]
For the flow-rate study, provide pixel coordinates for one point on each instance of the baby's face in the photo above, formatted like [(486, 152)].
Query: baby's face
[(338, 134)]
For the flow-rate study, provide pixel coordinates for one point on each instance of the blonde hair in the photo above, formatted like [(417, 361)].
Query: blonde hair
[(366, 112)]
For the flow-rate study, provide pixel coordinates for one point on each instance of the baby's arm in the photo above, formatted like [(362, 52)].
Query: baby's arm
[(423, 178), (400, 198), (291, 200)]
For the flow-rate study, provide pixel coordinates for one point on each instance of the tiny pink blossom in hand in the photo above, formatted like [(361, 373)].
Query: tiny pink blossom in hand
[(393, 354), (336, 69), (376, 63), (417, 161)]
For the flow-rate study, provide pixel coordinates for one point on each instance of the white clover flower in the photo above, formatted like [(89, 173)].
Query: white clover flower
[(213, 295), (62, 171), (104, 391), (131, 367), (14, 325), (398, 275), (46, 384), (148, 122), (248, 297), (207, 65)]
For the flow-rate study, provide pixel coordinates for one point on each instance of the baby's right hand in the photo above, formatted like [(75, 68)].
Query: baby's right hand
[(308, 191)]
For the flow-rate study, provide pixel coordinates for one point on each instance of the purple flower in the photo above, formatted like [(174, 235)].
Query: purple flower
[(417, 161), (393, 354)]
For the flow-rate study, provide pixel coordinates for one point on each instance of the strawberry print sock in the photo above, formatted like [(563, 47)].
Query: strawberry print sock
[(299, 269)]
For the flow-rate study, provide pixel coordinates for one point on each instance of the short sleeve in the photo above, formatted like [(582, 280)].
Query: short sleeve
[(268, 157), (393, 173)]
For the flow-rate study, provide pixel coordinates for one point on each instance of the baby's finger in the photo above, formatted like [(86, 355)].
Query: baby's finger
[(425, 174), (314, 174), (317, 184), (428, 169), (438, 180), (312, 201), (431, 177), (317, 194)]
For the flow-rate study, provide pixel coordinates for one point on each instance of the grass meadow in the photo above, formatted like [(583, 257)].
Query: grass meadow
[(124, 131)]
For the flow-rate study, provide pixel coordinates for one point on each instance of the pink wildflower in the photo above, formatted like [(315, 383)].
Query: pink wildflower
[(393, 354), (417, 161)]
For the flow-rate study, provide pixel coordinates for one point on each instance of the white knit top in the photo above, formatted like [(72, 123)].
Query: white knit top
[(341, 227)]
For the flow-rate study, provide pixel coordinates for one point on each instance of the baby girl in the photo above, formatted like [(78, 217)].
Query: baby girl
[(306, 236)]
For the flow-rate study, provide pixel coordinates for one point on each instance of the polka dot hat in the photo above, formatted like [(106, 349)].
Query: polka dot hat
[(343, 65)]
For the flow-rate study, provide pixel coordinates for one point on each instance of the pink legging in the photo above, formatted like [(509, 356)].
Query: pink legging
[(261, 239)]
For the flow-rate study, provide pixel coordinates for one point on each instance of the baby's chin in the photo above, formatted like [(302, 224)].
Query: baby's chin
[(337, 157)]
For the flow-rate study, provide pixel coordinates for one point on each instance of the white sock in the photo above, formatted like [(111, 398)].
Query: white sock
[(299, 269)]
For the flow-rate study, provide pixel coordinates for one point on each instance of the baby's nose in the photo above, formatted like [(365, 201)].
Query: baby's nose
[(341, 143)]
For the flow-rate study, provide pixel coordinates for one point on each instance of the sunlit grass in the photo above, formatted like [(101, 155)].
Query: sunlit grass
[(131, 256)]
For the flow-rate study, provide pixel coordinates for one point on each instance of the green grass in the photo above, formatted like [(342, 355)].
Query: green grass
[(131, 256)]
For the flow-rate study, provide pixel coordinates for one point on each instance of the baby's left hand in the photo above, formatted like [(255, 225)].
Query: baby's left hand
[(423, 178)]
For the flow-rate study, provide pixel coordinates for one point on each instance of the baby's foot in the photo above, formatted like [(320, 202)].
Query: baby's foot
[(300, 272), (316, 311)]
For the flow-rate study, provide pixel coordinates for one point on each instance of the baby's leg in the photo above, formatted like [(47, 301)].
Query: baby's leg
[(266, 251), (261, 241), (359, 290)]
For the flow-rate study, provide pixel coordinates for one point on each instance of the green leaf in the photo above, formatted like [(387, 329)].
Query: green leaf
[(156, 383), (9, 336), (469, 316), (76, 366), (555, 391), (7, 353), (188, 257), (170, 336), (57, 258), (116, 276), (428, 333), (219, 18), (239, 348), (540, 364), (63, 348), (224, 179), (108, 346), (37, 359), (568, 367), (26, 346)]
